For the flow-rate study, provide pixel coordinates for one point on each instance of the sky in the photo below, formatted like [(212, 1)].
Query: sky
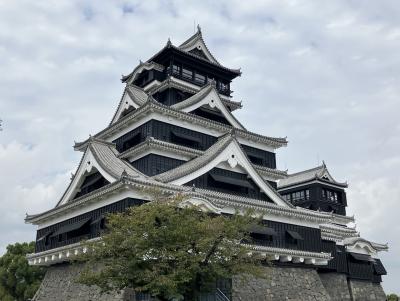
[(326, 74)]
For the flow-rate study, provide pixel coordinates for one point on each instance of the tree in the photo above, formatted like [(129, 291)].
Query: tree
[(18, 280), (170, 250), (393, 297)]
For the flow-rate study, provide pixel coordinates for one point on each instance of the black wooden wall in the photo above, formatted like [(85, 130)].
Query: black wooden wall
[(93, 230), (316, 201), (168, 132), (155, 164)]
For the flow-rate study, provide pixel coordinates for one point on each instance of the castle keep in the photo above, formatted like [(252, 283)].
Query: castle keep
[(174, 129)]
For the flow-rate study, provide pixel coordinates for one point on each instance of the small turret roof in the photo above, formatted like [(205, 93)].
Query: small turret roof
[(195, 42), (320, 173)]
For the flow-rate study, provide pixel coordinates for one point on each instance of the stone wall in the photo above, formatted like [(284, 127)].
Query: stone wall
[(336, 286), (366, 291), (282, 283), (59, 285)]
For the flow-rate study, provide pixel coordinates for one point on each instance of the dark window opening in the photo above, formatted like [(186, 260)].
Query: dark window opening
[(134, 140), (187, 74), (199, 78), (185, 139), (73, 231), (176, 70), (331, 195), (127, 111), (293, 237), (256, 160), (211, 114), (91, 183), (262, 235), (229, 183), (297, 196)]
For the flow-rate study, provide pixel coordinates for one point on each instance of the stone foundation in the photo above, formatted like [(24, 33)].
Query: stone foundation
[(336, 286), (59, 285), (366, 291), (281, 283)]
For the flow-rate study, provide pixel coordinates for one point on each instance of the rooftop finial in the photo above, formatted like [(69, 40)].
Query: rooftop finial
[(213, 83), (169, 43), (198, 28)]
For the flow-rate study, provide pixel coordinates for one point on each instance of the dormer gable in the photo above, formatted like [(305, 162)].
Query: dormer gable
[(208, 98), (99, 163), (196, 45), (132, 98), (226, 151)]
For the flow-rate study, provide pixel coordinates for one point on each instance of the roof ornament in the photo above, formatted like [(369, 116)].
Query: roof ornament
[(198, 28), (169, 43), (72, 175), (140, 62), (233, 133), (124, 174)]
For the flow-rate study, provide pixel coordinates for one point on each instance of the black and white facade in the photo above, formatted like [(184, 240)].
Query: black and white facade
[(174, 130)]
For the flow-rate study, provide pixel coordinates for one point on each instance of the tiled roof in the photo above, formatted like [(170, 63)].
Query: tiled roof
[(142, 66), (180, 49), (198, 37), (154, 106), (151, 142), (193, 165), (138, 96), (204, 92), (107, 156), (317, 173)]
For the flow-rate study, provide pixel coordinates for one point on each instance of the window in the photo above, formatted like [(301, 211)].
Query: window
[(329, 195), (223, 87), (256, 160), (199, 78), (176, 70), (298, 195), (286, 197), (186, 73)]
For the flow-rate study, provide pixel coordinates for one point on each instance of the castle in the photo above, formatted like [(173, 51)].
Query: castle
[(174, 130)]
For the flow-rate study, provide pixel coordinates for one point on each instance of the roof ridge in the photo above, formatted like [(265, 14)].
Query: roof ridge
[(306, 170)]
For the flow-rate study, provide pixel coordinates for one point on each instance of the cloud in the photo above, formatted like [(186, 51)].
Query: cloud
[(324, 74)]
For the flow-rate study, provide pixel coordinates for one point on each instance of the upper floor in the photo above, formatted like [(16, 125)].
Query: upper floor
[(315, 189)]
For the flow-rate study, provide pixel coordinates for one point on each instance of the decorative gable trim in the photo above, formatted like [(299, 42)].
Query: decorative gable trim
[(208, 95), (133, 96), (102, 156), (130, 78), (196, 42), (226, 149), (86, 167)]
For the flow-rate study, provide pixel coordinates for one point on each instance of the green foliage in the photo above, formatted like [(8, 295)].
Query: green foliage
[(393, 297), (18, 280), (170, 250)]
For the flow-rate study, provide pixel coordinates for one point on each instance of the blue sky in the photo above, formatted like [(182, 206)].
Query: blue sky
[(326, 74)]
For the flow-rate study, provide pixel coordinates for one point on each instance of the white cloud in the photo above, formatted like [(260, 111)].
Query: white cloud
[(324, 74)]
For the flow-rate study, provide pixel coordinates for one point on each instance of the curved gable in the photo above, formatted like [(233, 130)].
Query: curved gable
[(226, 150)]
